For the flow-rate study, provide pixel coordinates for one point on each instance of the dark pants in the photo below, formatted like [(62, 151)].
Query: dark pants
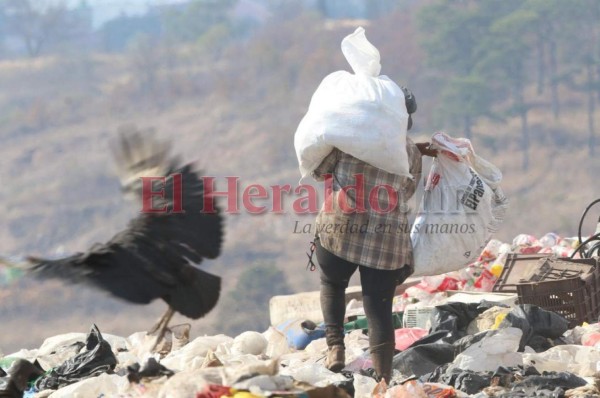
[(378, 287)]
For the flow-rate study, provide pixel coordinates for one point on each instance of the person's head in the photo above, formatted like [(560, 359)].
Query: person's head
[(411, 105)]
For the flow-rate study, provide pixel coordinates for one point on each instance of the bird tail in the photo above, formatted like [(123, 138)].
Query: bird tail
[(198, 295)]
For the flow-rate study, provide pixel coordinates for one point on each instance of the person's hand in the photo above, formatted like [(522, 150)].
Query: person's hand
[(425, 149)]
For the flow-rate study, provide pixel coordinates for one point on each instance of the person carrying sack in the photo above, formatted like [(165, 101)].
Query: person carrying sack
[(363, 225)]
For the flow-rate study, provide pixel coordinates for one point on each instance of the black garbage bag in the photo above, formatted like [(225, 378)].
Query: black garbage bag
[(541, 328), (455, 318), (21, 372), (423, 359), (532, 393), (150, 370), (348, 384), (551, 380), (467, 381), (97, 359), (465, 342), (548, 384)]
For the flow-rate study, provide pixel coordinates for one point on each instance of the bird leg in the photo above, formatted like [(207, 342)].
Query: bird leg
[(161, 326)]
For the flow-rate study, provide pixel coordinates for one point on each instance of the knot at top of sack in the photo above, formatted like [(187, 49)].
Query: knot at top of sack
[(362, 56)]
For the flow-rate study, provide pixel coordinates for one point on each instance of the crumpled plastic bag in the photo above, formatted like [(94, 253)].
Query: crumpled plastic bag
[(462, 206), (499, 347), (565, 358), (103, 385), (192, 355), (96, 360), (363, 114)]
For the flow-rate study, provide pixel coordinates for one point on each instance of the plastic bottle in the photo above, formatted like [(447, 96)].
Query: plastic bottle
[(362, 323)]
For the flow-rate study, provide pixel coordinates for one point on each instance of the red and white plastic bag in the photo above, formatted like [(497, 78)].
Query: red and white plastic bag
[(462, 207)]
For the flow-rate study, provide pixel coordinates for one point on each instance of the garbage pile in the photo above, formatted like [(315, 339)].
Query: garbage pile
[(455, 337)]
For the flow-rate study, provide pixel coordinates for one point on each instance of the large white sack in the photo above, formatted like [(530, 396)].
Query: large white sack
[(361, 113), (462, 207)]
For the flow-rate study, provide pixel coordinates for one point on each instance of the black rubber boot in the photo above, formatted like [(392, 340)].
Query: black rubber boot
[(382, 357)]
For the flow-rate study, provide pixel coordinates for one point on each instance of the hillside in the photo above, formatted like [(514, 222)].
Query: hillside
[(235, 115)]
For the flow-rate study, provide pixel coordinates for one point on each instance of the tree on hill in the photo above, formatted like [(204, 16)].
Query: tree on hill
[(504, 57), (549, 25), (464, 100), (451, 33), (189, 22), (34, 24)]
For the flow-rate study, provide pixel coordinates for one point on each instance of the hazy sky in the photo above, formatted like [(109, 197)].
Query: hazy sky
[(107, 9)]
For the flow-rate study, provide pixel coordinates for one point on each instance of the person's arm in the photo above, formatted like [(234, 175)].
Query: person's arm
[(425, 149), (415, 168), (327, 166)]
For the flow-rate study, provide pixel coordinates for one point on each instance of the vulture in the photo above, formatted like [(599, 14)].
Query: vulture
[(157, 254)]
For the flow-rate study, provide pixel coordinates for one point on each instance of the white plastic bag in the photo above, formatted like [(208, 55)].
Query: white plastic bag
[(363, 114), (461, 208), (497, 349), (576, 359)]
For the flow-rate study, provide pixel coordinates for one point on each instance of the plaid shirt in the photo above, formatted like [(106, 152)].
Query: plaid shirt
[(377, 234)]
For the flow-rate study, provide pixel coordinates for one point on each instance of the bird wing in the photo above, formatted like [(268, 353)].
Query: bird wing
[(155, 256)]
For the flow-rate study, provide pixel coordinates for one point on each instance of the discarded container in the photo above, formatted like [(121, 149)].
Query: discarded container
[(523, 268), (299, 333), (417, 317), (566, 298), (362, 323), (569, 288)]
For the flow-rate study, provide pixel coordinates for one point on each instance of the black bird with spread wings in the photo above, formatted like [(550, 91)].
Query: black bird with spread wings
[(156, 255)]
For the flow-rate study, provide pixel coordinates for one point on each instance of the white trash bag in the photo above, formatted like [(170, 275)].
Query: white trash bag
[(363, 114), (462, 207)]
